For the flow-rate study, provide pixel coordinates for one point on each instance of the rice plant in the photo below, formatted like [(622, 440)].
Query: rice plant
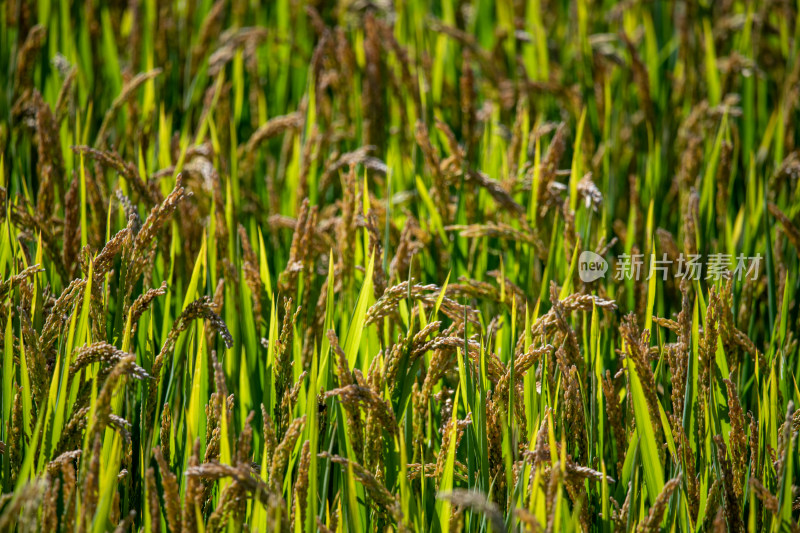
[(393, 266)]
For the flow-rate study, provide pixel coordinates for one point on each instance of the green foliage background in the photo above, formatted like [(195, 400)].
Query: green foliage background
[(314, 266)]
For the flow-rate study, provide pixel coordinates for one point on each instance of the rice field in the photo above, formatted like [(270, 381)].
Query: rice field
[(462, 265)]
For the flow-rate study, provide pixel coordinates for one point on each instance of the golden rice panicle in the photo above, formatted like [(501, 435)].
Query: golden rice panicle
[(244, 444), (549, 166), (98, 352), (690, 162), (738, 436), (683, 350), (288, 278), (51, 162), (376, 248), (345, 377), (392, 363), (26, 58), (8, 284), (652, 522), (301, 487), (152, 500), (130, 210), (715, 517), (495, 417), (165, 433), (49, 518), (373, 449), (198, 309), (575, 414), (370, 401), (441, 362), (577, 493), (282, 452), (570, 346), (230, 500), (208, 32), (731, 507), (21, 509), (768, 500), (33, 356), (342, 367), (786, 434), (456, 522), (143, 302), (333, 520), (119, 102), (91, 481), (522, 364), (453, 429), (408, 244), (14, 443), (296, 250), (169, 482), (269, 436), (386, 304), (554, 484), (754, 446), (408, 74), (454, 162), (213, 411), (476, 501), (69, 487), (112, 160), (284, 362), (620, 515), (708, 349), (124, 367), (272, 128), (126, 523), (59, 314), (146, 235), (687, 460), (193, 494), (418, 409), (379, 495), (674, 361), (637, 347)]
